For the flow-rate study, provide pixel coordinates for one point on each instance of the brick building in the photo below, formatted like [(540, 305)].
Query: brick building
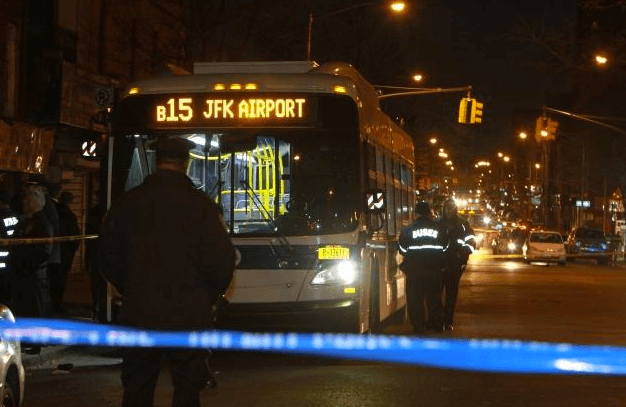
[(63, 62)]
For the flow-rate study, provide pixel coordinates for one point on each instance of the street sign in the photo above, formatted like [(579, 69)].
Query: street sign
[(104, 97)]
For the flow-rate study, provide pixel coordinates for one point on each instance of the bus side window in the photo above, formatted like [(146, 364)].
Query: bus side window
[(397, 183), (406, 188), (391, 201)]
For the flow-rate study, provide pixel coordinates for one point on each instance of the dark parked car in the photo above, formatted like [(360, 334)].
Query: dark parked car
[(509, 241), (588, 243)]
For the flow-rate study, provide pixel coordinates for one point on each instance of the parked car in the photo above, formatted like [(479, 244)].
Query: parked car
[(545, 246), (586, 242), (11, 367)]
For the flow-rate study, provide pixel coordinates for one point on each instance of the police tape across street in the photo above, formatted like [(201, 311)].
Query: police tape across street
[(39, 240), (484, 355)]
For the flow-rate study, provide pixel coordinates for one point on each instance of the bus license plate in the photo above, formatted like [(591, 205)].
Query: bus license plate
[(333, 253)]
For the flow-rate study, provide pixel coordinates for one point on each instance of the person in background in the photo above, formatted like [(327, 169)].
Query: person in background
[(462, 244), (8, 224), (29, 276), (163, 245), (51, 214), (422, 246), (68, 226)]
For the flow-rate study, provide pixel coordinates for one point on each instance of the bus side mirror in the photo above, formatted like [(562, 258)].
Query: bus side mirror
[(374, 201)]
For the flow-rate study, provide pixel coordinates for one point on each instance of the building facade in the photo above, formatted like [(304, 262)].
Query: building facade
[(63, 64)]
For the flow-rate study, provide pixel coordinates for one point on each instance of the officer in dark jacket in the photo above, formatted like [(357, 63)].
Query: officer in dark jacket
[(165, 248), (462, 244), (8, 224), (422, 245)]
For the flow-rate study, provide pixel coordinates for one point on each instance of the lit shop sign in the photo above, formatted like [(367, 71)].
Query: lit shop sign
[(206, 110)]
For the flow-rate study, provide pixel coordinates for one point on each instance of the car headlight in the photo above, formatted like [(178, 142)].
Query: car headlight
[(605, 246), (578, 243), (343, 272), (511, 246)]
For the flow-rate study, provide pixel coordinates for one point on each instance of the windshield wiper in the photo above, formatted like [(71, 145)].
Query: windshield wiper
[(269, 219)]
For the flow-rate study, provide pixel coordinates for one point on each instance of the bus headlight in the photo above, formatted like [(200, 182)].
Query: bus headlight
[(511, 246), (343, 272)]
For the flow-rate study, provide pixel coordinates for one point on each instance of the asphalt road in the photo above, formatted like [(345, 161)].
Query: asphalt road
[(578, 303)]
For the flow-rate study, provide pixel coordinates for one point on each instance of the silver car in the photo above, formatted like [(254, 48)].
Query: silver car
[(13, 376)]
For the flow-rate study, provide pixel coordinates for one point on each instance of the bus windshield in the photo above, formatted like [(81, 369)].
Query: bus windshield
[(295, 182)]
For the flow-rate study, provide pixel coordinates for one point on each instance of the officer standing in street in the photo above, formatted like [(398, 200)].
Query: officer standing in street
[(462, 244), (165, 248), (422, 245), (8, 224)]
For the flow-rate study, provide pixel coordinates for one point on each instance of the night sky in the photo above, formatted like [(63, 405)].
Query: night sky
[(452, 42), (476, 43)]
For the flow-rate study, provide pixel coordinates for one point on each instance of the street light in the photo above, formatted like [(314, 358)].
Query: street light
[(433, 141), (418, 77), (601, 60), (523, 135), (396, 7)]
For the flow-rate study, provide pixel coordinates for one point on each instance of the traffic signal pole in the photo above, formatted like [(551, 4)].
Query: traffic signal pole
[(588, 119), (584, 118), (419, 91)]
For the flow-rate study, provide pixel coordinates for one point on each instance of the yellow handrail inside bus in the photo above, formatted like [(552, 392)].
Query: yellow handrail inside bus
[(261, 177)]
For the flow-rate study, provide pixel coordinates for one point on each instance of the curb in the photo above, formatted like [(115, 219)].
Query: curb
[(47, 354), (51, 357)]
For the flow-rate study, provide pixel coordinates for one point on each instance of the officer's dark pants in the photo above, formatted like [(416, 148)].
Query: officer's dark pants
[(140, 371), (424, 286), (451, 280)]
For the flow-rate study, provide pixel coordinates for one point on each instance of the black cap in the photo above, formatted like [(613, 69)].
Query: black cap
[(172, 147), (422, 208)]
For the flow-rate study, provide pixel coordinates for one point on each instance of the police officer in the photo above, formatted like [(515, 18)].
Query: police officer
[(8, 223), (462, 244), (422, 245), (165, 248)]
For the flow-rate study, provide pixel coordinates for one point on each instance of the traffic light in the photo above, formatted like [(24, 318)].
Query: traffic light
[(470, 111), (553, 125), (545, 129), (463, 110), (477, 112)]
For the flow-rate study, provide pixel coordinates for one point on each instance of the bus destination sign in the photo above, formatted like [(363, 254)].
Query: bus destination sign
[(205, 110)]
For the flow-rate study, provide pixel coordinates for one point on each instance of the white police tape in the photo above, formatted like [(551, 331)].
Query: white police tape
[(502, 356)]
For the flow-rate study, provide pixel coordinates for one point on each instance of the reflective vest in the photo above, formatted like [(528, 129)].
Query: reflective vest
[(422, 244), (8, 223)]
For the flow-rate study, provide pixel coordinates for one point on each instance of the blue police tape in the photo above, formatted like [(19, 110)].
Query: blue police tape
[(502, 356)]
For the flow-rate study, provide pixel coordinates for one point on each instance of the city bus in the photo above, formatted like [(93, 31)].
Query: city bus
[(314, 181)]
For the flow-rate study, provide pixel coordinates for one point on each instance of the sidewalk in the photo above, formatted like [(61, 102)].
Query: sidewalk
[(76, 305), (64, 358)]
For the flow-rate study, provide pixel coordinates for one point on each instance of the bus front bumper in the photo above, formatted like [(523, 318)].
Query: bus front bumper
[(327, 315)]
